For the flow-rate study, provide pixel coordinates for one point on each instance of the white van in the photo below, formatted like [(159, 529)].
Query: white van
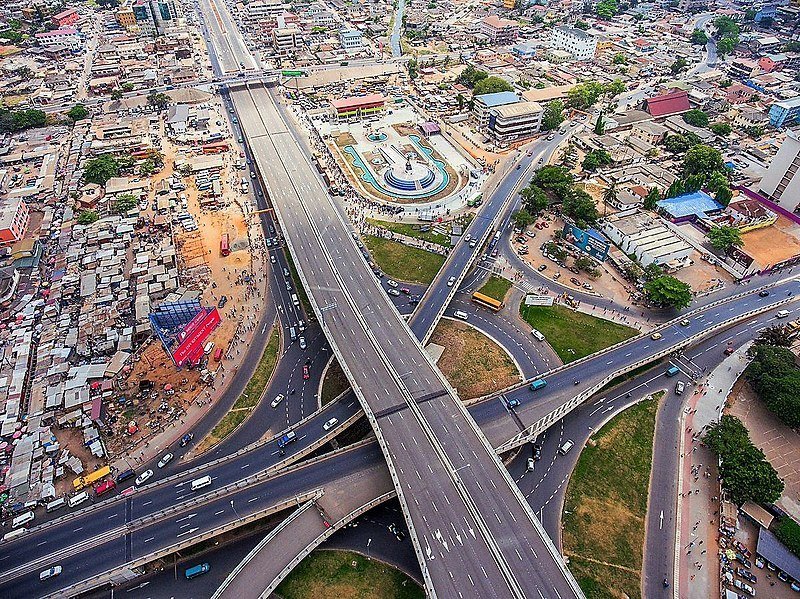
[(78, 499), (14, 534), (564, 449), (461, 314), (537, 335), (295, 301), (56, 504), (201, 482), (22, 519)]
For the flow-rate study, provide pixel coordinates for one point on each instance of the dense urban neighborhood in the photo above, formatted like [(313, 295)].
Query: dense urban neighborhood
[(370, 299)]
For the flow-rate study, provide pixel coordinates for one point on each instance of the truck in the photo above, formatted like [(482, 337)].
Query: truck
[(287, 438), (85, 481)]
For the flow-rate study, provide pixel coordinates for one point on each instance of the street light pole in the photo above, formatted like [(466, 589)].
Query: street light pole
[(368, 543)]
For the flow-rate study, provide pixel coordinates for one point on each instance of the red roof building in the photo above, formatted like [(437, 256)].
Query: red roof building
[(65, 18), (668, 104), (358, 105)]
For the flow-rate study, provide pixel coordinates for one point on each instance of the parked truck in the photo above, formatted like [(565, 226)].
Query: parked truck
[(85, 481)]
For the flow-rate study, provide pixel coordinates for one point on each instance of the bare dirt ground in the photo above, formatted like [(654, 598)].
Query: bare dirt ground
[(472, 363), (773, 244), (71, 439)]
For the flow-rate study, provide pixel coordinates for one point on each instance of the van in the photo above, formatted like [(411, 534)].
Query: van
[(536, 385), (197, 570), (564, 449), (679, 387), (295, 301), (22, 519), (292, 333), (130, 473), (78, 499), (201, 482), (672, 371), (537, 335), (14, 534), (461, 314), (54, 505)]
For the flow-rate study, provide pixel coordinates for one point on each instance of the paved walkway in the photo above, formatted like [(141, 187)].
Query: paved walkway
[(696, 542)]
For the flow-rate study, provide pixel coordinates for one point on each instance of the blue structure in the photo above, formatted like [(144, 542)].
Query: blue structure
[(591, 241), (696, 204), (768, 11), (169, 320), (786, 113)]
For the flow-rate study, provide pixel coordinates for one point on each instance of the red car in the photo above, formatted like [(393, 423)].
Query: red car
[(306, 372)]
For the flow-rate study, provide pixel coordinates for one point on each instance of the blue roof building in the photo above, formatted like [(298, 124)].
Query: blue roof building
[(697, 203), (785, 114), (486, 102)]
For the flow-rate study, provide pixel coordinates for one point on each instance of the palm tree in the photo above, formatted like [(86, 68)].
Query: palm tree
[(610, 195)]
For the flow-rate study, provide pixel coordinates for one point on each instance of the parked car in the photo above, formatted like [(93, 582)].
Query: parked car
[(391, 283), (278, 399), (393, 292), (165, 460), (222, 301), (143, 478)]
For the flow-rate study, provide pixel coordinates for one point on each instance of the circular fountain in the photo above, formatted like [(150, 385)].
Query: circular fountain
[(413, 176), (377, 136)]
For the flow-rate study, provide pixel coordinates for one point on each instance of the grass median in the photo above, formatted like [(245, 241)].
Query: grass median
[(496, 287), (334, 384), (574, 335), (474, 364), (413, 231), (606, 504), (403, 262), (250, 397), (347, 575)]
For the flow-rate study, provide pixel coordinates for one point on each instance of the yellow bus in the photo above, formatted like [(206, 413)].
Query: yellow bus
[(84, 481), (487, 302)]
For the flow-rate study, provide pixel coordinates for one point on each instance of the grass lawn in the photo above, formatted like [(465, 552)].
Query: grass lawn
[(496, 287), (606, 504), (346, 575), (573, 334), (402, 262), (250, 396), (413, 231), (334, 384), (473, 363)]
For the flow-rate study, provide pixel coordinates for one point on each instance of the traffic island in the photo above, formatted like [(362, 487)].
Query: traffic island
[(334, 383), (606, 504), (496, 288), (472, 363), (402, 262)]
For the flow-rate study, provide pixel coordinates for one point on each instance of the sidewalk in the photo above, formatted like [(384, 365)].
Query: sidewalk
[(697, 536)]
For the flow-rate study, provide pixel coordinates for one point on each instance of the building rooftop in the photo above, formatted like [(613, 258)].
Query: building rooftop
[(790, 103), (498, 99), (669, 103), (697, 203), (776, 553), (497, 22), (356, 101), (575, 32), (518, 109)]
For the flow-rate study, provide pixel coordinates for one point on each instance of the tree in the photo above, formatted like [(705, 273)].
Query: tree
[(158, 100), (413, 68), (470, 76), (522, 218), (652, 198), (754, 131), (775, 378), (116, 94), (77, 113), (721, 129), (595, 159), (652, 271), (585, 263), (553, 115), (677, 143), (610, 193), (619, 58), (725, 26), (87, 217), (124, 202), (534, 199), (492, 85), (726, 45), (581, 25), (580, 206), (614, 88), (555, 251), (699, 37), (702, 160), (599, 124), (460, 100), (724, 195), (128, 86), (553, 179), (788, 533), (675, 190), (147, 167), (607, 9), (725, 237), (696, 118), (12, 121), (776, 336), (678, 65), (99, 170), (745, 472), (584, 95), (668, 292)]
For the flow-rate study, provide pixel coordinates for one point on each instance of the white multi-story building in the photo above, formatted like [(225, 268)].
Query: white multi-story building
[(516, 121), (781, 183), (577, 42), (264, 8), (69, 38), (351, 40)]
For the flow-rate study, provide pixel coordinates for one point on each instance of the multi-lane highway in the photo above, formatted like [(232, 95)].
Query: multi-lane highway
[(410, 405)]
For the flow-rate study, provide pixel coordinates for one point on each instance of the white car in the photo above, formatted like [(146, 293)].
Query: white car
[(49, 573), (391, 283), (393, 292), (467, 237), (278, 399), (782, 314), (165, 460), (450, 281), (330, 424), (143, 478)]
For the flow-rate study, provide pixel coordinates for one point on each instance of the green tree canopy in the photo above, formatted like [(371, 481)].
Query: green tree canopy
[(522, 218), (99, 170), (553, 115), (746, 474), (87, 217), (678, 65), (607, 9), (492, 85), (788, 533), (699, 37), (595, 159), (12, 121), (777, 336), (584, 95), (581, 25), (619, 58), (776, 379), (534, 199), (555, 180), (581, 207), (702, 160), (668, 292), (721, 129), (158, 100), (470, 76), (599, 125), (724, 237), (77, 112), (652, 198), (696, 118), (124, 202)]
